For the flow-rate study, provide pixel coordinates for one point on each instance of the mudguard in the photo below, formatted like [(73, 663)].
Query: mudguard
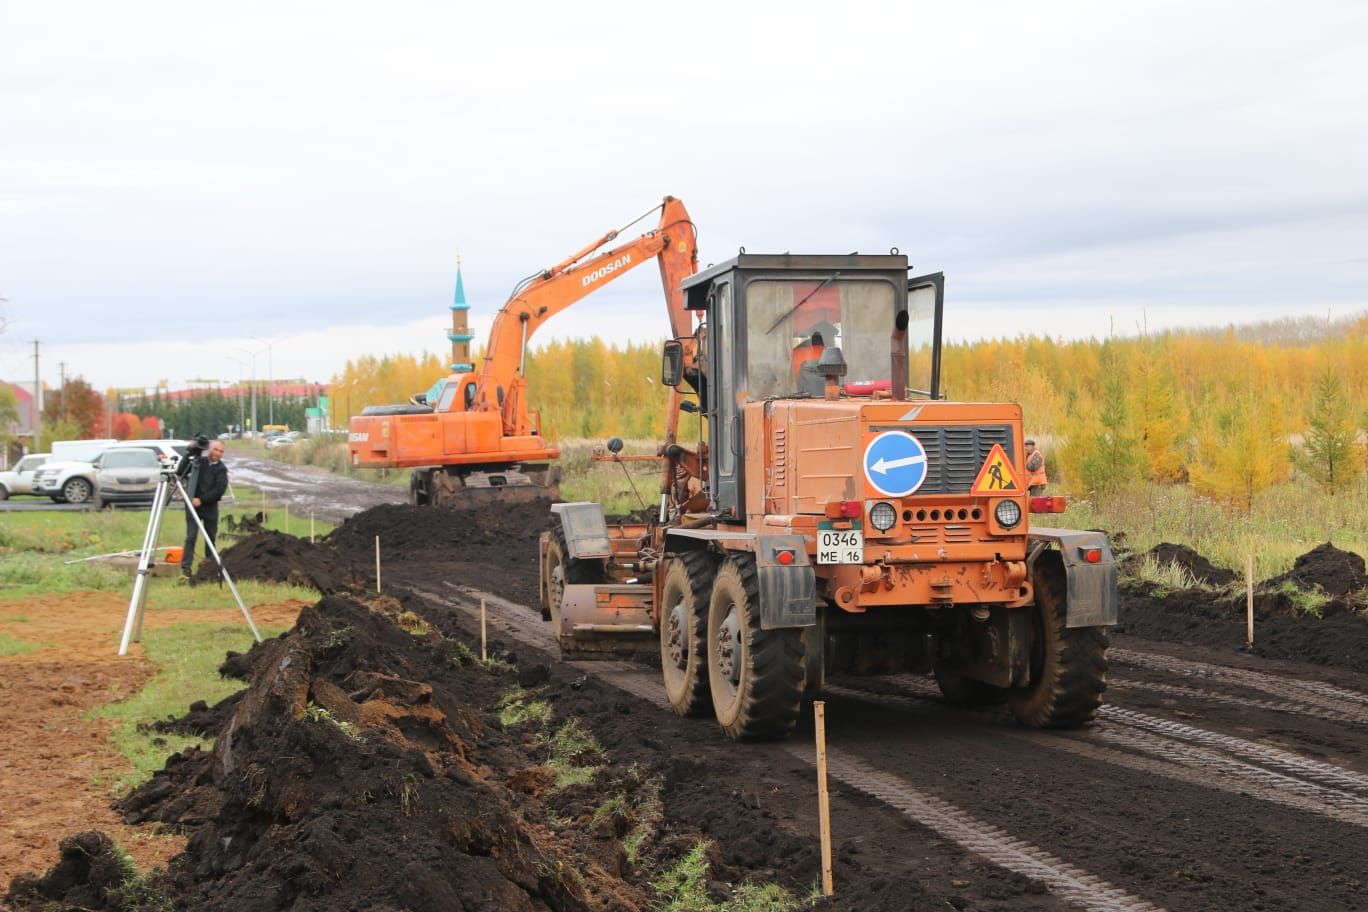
[(586, 531), (1092, 585), (788, 592)]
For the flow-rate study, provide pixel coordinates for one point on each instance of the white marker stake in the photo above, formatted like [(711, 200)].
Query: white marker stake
[(484, 656), (823, 802), (311, 527), (1249, 598), (377, 563)]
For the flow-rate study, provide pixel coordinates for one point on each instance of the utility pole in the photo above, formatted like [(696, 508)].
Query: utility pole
[(61, 372), (37, 403)]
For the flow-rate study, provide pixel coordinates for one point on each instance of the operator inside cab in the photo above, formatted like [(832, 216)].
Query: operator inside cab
[(807, 351)]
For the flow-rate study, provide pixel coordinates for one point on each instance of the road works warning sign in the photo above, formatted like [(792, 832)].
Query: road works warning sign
[(997, 475)]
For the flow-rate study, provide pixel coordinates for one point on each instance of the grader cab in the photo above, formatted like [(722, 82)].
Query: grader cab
[(824, 511)]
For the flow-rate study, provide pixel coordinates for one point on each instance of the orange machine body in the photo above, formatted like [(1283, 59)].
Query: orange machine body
[(482, 419)]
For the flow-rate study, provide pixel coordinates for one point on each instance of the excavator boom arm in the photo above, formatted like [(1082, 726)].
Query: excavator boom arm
[(673, 242)]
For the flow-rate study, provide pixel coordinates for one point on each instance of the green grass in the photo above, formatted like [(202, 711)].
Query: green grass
[(1305, 601), (1166, 577), (187, 657), (519, 706), (585, 478), (1288, 520), (684, 888), (37, 551), (573, 753), (13, 646)]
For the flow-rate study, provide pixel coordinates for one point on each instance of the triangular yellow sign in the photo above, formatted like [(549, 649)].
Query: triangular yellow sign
[(997, 475)]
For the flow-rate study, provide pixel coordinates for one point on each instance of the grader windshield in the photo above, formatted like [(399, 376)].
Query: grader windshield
[(790, 322)]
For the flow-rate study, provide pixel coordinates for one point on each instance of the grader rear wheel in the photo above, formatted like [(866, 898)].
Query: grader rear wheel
[(684, 631), (1068, 664), (756, 676), (562, 569)]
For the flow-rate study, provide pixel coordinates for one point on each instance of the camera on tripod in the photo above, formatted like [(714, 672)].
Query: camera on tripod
[(193, 453)]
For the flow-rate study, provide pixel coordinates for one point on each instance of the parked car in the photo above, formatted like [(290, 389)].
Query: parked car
[(281, 440), (19, 480), (126, 475), (74, 481)]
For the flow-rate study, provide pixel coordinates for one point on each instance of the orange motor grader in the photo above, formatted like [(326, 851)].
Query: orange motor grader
[(478, 436), (832, 514)]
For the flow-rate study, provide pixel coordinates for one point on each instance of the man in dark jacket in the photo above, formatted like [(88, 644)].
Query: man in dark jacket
[(211, 483)]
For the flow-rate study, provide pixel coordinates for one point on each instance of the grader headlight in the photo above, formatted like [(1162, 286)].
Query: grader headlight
[(1007, 513), (883, 516)]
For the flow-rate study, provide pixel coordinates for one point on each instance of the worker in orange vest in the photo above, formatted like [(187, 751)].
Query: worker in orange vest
[(1036, 479)]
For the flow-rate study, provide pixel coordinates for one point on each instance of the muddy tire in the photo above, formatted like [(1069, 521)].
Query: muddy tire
[(961, 691), (684, 631), (756, 676), (1068, 664), (560, 570)]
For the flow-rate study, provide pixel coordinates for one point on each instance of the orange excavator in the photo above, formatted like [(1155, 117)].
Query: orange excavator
[(479, 437)]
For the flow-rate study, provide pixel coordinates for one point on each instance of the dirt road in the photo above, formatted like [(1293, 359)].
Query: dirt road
[(306, 489), (1214, 779)]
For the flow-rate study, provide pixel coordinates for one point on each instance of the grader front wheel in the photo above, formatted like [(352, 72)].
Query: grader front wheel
[(1068, 664), (684, 631), (756, 676)]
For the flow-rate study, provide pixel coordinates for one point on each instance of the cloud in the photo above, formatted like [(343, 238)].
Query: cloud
[(174, 176)]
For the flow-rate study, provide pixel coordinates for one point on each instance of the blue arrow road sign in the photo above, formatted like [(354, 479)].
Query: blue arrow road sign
[(895, 463)]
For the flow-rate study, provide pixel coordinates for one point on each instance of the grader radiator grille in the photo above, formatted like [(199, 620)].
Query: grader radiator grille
[(954, 454)]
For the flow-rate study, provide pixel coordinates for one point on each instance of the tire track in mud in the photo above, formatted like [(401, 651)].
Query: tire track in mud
[(1066, 881), (1177, 761), (1072, 884), (1314, 770), (1316, 693), (1211, 696)]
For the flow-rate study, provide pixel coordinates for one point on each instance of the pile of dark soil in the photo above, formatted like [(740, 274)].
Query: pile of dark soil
[(1203, 571), (480, 533), (90, 875), (1198, 617), (1327, 569), (279, 558), (489, 548), (359, 771)]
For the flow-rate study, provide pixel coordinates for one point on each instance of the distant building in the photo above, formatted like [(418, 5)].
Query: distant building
[(460, 334), (21, 431)]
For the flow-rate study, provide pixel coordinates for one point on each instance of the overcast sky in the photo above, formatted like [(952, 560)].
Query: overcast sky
[(182, 184)]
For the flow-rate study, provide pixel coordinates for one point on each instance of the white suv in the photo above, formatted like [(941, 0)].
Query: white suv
[(19, 480), (75, 482)]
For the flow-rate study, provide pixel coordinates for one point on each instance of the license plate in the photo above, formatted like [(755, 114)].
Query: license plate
[(840, 546)]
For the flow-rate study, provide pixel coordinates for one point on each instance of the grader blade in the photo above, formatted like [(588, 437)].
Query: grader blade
[(605, 621)]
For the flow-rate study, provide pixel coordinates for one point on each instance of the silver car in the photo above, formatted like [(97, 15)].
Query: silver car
[(126, 476)]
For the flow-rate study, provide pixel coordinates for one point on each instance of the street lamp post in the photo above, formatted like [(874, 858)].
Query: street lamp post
[(270, 378), (255, 429), (242, 406)]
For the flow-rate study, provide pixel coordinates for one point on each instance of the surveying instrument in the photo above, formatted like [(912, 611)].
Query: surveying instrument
[(173, 482)]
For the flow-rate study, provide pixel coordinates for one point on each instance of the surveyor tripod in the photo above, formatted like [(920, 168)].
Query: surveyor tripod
[(170, 484)]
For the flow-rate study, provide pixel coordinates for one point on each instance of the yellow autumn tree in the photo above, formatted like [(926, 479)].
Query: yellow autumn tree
[(1241, 452)]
